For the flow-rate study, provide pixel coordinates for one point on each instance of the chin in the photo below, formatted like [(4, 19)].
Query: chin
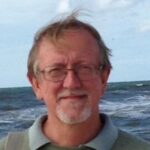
[(73, 118)]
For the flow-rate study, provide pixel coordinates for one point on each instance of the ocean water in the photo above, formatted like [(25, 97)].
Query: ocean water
[(128, 104)]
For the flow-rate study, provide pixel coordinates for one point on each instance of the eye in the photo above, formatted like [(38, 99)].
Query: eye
[(84, 69), (55, 72)]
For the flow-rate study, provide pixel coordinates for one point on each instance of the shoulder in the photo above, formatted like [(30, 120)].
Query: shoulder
[(13, 141), (2, 143), (126, 141)]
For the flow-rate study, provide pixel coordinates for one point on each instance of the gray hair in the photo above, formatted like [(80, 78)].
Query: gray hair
[(54, 32)]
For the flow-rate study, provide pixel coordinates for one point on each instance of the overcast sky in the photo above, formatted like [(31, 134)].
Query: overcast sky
[(123, 24)]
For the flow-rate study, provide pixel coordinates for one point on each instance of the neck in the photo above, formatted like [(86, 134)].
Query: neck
[(65, 135)]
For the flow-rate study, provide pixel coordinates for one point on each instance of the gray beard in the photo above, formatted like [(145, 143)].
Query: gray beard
[(70, 120)]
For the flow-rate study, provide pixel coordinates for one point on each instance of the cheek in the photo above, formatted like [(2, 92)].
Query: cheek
[(50, 92), (95, 90)]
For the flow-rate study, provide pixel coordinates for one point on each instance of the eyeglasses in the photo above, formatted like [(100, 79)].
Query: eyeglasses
[(83, 72)]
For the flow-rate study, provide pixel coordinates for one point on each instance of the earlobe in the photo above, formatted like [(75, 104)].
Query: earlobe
[(35, 86)]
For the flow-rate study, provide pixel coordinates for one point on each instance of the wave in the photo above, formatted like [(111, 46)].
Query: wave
[(134, 107)]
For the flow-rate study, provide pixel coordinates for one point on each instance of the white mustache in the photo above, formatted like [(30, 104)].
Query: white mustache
[(67, 92)]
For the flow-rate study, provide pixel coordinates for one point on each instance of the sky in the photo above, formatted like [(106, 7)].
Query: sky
[(123, 24)]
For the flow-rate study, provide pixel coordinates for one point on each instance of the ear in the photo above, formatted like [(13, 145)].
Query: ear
[(104, 78), (35, 86)]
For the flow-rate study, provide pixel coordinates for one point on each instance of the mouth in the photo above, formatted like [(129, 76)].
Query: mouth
[(74, 97)]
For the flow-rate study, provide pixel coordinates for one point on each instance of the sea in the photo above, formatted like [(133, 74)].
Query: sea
[(127, 103)]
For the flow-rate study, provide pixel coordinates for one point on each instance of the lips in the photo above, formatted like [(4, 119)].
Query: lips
[(74, 97)]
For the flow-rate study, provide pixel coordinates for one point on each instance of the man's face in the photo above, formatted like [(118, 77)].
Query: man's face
[(71, 100)]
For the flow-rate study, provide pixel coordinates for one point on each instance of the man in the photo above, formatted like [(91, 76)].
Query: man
[(68, 68)]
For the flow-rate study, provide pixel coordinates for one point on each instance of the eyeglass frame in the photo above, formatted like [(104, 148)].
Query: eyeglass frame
[(64, 70)]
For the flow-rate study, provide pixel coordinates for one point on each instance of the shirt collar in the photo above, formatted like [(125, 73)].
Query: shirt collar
[(36, 135), (107, 136), (103, 141)]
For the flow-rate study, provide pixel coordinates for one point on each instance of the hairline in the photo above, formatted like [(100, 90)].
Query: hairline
[(104, 52)]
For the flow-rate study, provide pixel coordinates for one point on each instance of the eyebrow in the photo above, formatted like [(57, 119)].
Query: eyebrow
[(61, 64), (56, 65)]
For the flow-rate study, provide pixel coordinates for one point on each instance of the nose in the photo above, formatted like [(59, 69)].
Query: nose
[(71, 80)]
